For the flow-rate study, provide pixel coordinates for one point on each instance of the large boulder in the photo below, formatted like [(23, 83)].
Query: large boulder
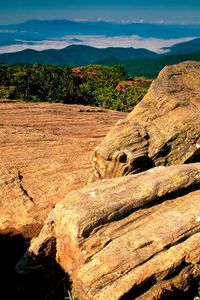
[(134, 237), (163, 129), (45, 153)]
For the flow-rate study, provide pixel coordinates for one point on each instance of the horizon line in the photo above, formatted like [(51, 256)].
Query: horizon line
[(121, 22)]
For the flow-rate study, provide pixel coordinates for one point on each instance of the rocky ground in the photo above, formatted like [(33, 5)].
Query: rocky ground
[(45, 153), (134, 237), (126, 236)]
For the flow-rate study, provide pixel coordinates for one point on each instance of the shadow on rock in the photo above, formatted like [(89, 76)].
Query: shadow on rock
[(46, 281)]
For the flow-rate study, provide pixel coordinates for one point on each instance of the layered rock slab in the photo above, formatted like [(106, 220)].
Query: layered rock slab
[(45, 153), (163, 129), (135, 237)]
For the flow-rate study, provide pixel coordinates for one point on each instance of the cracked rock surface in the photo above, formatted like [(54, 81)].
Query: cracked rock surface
[(163, 129), (45, 153), (134, 237)]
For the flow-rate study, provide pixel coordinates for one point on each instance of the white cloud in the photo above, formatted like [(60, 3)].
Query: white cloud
[(98, 41), (35, 45), (80, 20)]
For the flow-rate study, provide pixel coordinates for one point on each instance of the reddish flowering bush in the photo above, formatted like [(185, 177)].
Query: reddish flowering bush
[(77, 70), (92, 72), (124, 86), (97, 85), (83, 70), (135, 83)]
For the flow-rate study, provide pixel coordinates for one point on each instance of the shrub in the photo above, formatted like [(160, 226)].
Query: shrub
[(92, 85)]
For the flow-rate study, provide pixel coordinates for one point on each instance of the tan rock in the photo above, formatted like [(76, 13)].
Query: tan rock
[(163, 129), (45, 153), (134, 237)]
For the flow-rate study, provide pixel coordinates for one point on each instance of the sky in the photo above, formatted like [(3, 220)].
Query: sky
[(168, 11)]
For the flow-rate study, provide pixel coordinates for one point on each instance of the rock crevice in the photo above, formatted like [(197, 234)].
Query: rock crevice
[(115, 235)]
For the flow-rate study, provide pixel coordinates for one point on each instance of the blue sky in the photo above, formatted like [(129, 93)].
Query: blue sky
[(175, 11)]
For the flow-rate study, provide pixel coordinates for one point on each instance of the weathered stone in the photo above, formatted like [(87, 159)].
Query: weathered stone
[(163, 129), (45, 153), (134, 237)]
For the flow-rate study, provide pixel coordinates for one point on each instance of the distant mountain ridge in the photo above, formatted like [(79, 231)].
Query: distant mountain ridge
[(47, 29), (75, 55), (185, 47), (151, 67), (140, 62)]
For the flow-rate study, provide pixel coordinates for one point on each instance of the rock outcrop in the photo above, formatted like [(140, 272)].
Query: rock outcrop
[(45, 153), (123, 238), (163, 129), (134, 237)]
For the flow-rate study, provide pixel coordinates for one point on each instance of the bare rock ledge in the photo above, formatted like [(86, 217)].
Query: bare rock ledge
[(45, 153), (134, 237), (163, 129)]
